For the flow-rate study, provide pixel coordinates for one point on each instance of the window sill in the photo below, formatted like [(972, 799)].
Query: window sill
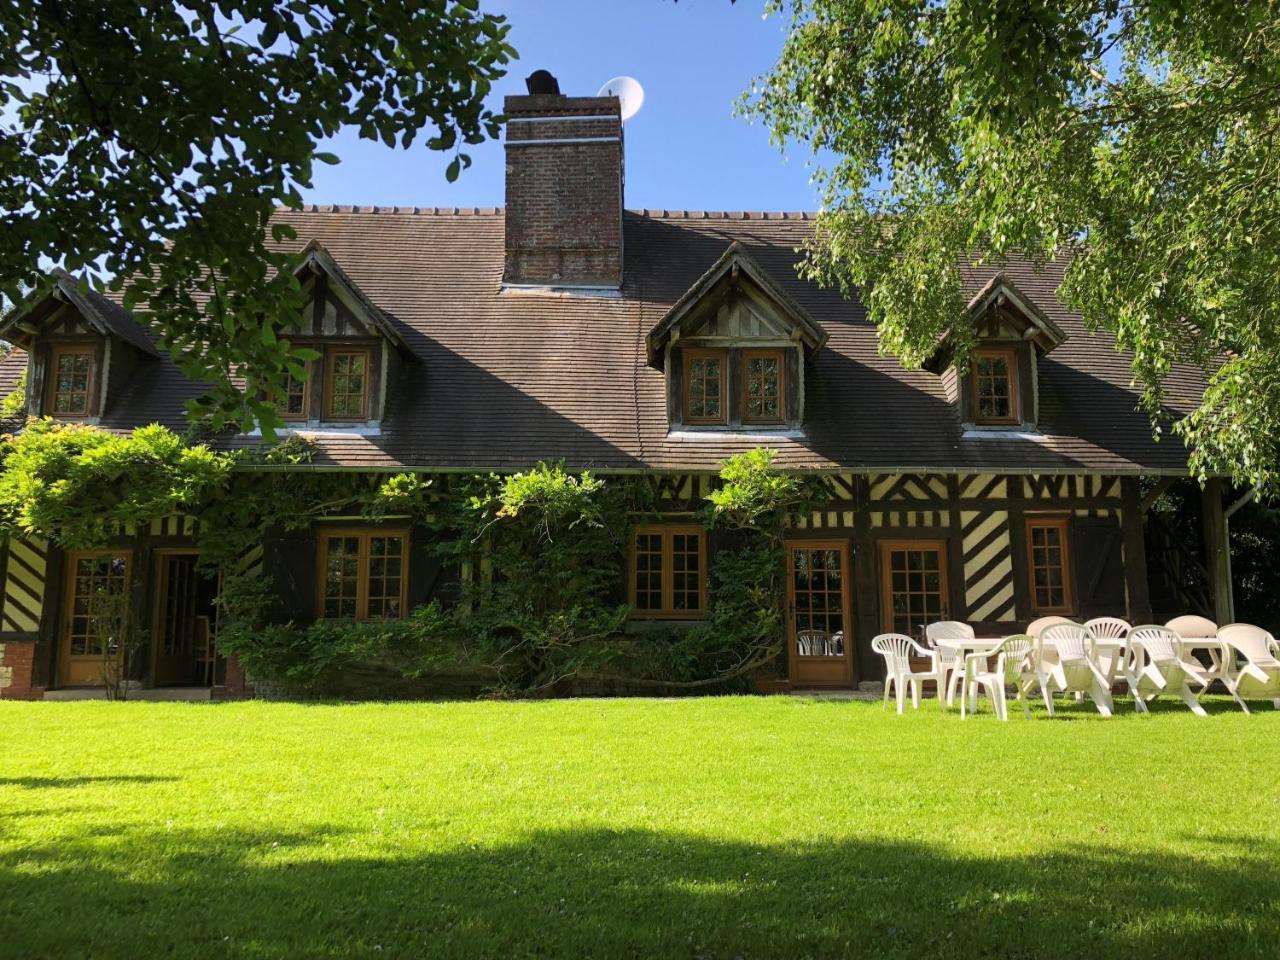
[(746, 432), (315, 428), (1003, 433)]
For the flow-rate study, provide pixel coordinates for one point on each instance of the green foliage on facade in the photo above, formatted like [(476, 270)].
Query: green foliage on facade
[(15, 404), (79, 485), (540, 608), (543, 552)]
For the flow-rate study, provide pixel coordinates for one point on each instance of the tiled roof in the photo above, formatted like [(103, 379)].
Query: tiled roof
[(508, 378)]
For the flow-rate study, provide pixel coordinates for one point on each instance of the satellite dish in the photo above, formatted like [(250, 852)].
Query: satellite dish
[(628, 91)]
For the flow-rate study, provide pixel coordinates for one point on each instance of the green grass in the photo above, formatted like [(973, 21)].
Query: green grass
[(713, 827)]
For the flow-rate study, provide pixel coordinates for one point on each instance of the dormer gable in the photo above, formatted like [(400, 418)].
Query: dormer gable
[(360, 350), (1000, 388), (733, 349), (82, 350)]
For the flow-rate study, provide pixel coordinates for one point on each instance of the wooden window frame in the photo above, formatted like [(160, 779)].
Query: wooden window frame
[(703, 353), (1010, 355), (362, 574), (56, 351), (306, 398), (747, 354), (1063, 525), (886, 577), (331, 353), (668, 612)]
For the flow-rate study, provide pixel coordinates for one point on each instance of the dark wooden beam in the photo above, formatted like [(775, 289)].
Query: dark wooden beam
[(1018, 558), (1134, 544), (866, 613), (1217, 551), (955, 553)]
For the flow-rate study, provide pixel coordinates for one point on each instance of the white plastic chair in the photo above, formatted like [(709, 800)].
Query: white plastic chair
[(951, 662), (1258, 676), (1156, 665), (1076, 669), (1036, 627), (1191, 627), (1110, 658), (1011, 662), (897, 650)]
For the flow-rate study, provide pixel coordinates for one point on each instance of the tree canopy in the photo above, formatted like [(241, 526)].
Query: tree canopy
[(147, 146), (1134, 140)]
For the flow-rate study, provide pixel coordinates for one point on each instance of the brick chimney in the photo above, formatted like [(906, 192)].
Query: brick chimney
[(564, 188)]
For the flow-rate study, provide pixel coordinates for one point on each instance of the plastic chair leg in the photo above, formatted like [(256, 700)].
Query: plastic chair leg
[(1190, 700)]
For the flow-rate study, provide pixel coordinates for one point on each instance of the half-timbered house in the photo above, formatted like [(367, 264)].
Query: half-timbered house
[(650, 343)]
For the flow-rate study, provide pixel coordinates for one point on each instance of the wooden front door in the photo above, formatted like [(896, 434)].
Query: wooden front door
[(913, 584), (97, 586), (820, 622), (175, 634)]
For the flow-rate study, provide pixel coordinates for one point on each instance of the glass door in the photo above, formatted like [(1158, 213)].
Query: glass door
[(821, 652)]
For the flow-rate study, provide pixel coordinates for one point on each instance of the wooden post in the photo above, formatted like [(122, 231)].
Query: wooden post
[(1217, 551), (1134, 544), (866, 614)]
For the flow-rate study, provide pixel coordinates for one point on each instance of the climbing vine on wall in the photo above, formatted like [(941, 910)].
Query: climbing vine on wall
[(541, 607)]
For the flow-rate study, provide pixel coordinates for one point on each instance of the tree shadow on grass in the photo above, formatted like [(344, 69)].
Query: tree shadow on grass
[(630, 893), (65, 783)]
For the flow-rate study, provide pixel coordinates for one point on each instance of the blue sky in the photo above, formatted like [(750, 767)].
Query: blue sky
[(685, 149)]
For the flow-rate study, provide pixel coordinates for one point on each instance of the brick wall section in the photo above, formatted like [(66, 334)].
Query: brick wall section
[(17, 671), (235, 684), (564, 198)]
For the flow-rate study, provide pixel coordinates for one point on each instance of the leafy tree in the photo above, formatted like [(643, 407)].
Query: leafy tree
[(1136, 140), (147, 145)]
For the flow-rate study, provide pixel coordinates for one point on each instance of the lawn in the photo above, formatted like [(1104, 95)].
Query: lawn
[(712, 827)]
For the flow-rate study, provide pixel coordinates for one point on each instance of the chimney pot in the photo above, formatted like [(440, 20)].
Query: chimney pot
[(542, 83)]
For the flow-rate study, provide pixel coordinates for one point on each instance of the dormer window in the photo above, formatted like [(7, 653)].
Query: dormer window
[(995, 386), (358, 353), (762, 386), (347, 383), (704, 377), (70, 380), (734, 350), (999, 392)]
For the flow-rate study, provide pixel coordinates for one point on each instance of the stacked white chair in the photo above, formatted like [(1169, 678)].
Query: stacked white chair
[(1156, 665), (1110, 656), (1010, 668), (950, 662), (1073, 668), (1191, 627), (898, 651), (1252, 664), (1036, 627)]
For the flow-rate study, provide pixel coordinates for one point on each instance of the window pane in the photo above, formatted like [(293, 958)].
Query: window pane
[(648, 571), (97, 582), (1048, 565), (763, 388), (342, 574), (71, 382), (705, 381), (385, 572), (994, 384), (295, 396), (347, 391)]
